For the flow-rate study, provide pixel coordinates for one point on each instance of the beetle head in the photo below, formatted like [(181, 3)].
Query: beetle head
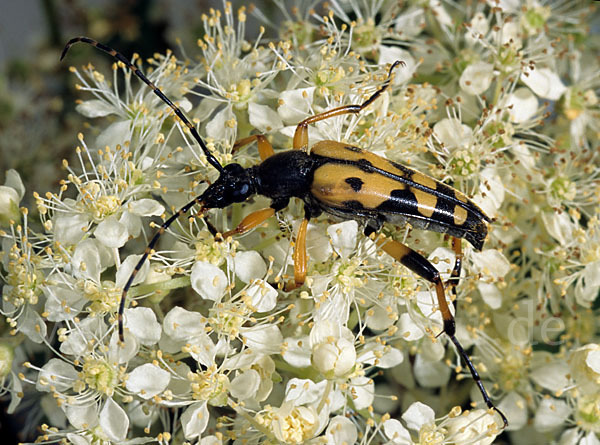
[(236, 184)]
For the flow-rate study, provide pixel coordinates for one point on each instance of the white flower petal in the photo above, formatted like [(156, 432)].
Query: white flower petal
[(551, 415), (514, 407), (297, 353), (264, 118), (86, 261), (76, 439), (553, 376), (396, 432), (382, 356), (417, 415), (70, 229), (145, 207), (477, 78), (58, 374), (181, 324), (431, 374), (343, 237), (265, 339), (63, 302), (452, 133), (32, 325), (148, 380), (194, 420), (592, 359), (295, 104), (141, 322), (490, 294), (304, 391), (363, 392), (9, 205), (208, 280), (390, 54), (203, 350), (82, 416), (544, 82), (114, 421), (472, 427), (408, 329), (249, 266), (95, 108), (263, 296), (522, 105), (245, 385), (341, 431), (491, 262), (112, 233), (124, 271), (13, 180), (443, 260), (114, 134), (219, 126)]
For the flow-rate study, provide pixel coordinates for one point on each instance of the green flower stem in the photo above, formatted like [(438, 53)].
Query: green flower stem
[(145, 289)]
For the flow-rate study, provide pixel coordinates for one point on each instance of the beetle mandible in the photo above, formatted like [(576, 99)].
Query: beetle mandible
[(341, 180)]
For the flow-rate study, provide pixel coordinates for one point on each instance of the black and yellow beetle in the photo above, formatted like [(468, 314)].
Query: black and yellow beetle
[(341, 180)]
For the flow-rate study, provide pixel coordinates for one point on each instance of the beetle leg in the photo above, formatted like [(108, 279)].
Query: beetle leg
[(251, 221), (301, 134), (455, 275), (422, 267), (265, 149), (300, 258)]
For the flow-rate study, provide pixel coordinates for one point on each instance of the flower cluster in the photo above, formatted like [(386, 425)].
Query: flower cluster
[(497, 98)]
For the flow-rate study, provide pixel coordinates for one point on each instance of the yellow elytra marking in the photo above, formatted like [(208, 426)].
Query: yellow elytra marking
[(344, 152), (338, 150), (330, 187), (426, 202), (460, 215), (424, 180)]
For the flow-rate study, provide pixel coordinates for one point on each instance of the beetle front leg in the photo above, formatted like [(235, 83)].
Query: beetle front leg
[(422, 267), (251, 221)]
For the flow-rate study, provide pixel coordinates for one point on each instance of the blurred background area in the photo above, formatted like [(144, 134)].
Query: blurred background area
[(38, 121)]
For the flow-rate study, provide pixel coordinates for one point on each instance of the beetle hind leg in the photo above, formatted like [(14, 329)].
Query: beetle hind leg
[(422, 267), (455, 274)]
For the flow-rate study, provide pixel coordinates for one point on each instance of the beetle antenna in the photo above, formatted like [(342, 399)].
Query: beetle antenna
[(148, 251), (121, 58), (383, 87)]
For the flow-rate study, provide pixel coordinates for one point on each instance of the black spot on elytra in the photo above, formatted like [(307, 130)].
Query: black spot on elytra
[(353, 205), (355, 183), (352, 148)]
